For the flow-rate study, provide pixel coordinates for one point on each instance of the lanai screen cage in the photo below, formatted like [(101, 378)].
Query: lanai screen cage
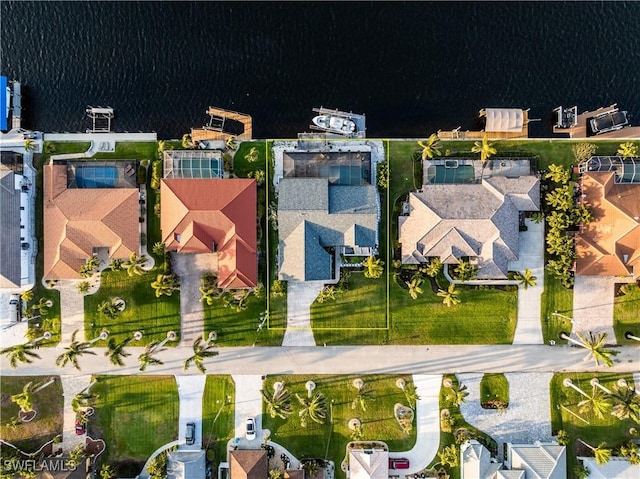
[(193, 164), (627, 170)]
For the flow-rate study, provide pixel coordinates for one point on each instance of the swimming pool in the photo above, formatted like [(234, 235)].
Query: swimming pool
[(446, 174), (199, 168), (89, 176)]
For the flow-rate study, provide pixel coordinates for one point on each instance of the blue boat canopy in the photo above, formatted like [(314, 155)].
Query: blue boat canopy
[(4, 103)]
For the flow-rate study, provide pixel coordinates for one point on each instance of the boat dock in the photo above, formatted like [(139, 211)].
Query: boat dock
[(493, 132), (359, 120), (215, 129), (16, 117), (578, 126), (100, 119)]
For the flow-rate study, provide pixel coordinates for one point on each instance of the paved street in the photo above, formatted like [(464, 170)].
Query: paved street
[(347, 360)]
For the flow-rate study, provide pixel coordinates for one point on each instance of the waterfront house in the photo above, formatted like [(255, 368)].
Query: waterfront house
[(466, 210), (82, 220), (213, 215), (610, 243)]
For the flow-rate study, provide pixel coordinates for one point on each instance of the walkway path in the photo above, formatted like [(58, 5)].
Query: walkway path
[(346, 360), (528, 417), (72, 385), (248, 404), (299, 299), (190, 391), (530, 256), (593, 304), (71, 311), (190, 267), (427, 424)]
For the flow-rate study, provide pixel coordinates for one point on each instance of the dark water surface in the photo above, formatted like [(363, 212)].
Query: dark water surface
[(411, 67)]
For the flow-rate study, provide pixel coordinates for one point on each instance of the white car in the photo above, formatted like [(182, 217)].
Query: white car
[(250, 429)]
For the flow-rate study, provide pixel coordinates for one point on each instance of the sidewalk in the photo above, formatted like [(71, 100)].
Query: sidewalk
[(530, 256)]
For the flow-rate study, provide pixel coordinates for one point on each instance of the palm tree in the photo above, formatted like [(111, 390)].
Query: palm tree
[(187, 142), (29, 145), (25, 399), (597, 402), (414, 287), (253, 155), (631, 452), (82, 400), (147, 357), (525, 279), (134, 265), (20, 353), (201, 351), (485, 149), (601, 453), (165, 284), (458, 394), (595, 345), (581, 472), (450, 296), (373, 267), (363, 395), (314, 408), (158, 248), (465, 271), (230, 143), (27, 296), (279, 403), (327, 293), (74, 351), (434, 267), (449, 456), (116, 351), (431, 147), (626, 403), (109, 308), (43, 306), (557, 174), (568, 383), (626, 150), (561, 198), (411, 395)]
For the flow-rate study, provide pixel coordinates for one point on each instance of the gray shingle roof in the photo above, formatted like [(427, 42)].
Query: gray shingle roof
[(10, 267), (544, 461), (455, 220), (313, 215)]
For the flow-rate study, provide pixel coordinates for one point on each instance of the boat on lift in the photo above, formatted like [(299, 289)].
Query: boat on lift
[(335, 124)]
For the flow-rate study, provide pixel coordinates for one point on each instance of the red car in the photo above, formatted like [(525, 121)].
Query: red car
[(81, 426), (399, 463)]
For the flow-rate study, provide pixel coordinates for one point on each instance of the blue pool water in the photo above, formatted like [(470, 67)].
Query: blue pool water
[(96, 176)]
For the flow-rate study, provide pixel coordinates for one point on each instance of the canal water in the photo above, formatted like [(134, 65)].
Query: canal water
[(411, 67)]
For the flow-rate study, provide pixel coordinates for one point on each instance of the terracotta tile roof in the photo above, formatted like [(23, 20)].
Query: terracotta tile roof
[(77, 220), (248, 464), (200, 213), (610, 244)]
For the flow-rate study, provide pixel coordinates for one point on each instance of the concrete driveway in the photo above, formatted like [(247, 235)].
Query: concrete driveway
[(300, 296), (593, 304), (190, 391), (528, 417), (248, 404)]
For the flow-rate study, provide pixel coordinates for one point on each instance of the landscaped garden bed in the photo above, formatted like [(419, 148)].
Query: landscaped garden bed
[(343, 402), (494, 391)]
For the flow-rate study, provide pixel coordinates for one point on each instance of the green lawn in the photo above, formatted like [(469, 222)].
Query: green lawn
[(218, 414), (134, 415), (147, 150), (447, 438), (626, 314), (555, 299), (494, 387), (356, 316), (564, 410), (484, 316), (144, 312), (48, 403), (329, 440), (240, 328)]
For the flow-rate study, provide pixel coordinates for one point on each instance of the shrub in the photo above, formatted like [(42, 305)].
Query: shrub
[(156, 174), (382, 175), (142, 175)]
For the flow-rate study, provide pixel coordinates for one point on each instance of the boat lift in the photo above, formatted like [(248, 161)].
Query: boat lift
[(100, 119)]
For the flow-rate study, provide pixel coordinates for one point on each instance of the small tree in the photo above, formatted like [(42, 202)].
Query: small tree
[(253, 155), (484, 148), (165, 284), (628, 150), (465, 271), (449, 456), (434, 267), (415, 287), (562, 437), (278, 404), (431, 147), (382, 175), (525, 279), (601, 453), (373, 267), (135, 264), (558, 174), (450, 296), (107, 471), (158, 249), (583, 151), (84, 287), (76, 455), (314, 408)]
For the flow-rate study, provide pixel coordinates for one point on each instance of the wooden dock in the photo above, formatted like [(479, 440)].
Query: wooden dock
[(458, 134), (580, 130), (215, 129)]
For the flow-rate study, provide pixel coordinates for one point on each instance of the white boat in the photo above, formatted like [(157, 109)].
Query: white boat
[(335, 124)]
